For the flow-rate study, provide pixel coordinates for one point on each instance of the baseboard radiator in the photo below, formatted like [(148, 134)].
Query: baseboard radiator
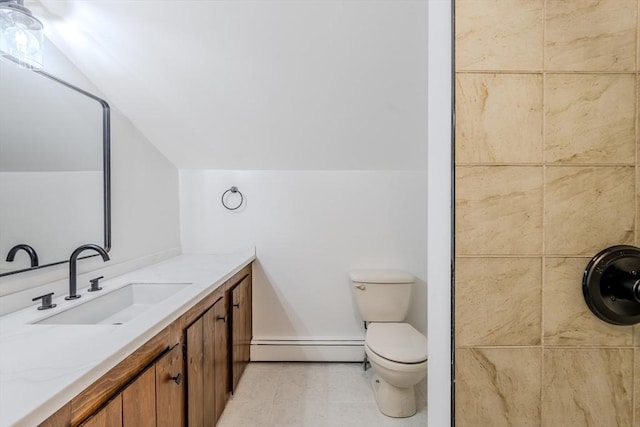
[(268, 349)]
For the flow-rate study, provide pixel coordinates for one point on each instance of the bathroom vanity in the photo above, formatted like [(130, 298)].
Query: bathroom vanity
[(173, 364), (163, 345)]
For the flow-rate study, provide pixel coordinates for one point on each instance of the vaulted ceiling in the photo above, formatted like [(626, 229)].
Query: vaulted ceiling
[(258, 84)]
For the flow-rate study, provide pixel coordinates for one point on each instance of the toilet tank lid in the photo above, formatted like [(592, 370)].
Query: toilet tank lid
[(381, 276)]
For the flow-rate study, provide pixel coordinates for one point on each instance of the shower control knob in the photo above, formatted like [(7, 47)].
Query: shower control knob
[(611, 286)]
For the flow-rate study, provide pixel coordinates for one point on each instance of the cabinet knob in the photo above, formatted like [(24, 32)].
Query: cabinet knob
[(236, 305), (224, 319), (177, 379)]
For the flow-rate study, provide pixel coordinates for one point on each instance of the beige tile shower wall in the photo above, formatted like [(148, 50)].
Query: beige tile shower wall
[(546, 176)]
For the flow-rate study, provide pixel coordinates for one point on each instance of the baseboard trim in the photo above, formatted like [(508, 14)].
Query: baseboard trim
[(291, 350)]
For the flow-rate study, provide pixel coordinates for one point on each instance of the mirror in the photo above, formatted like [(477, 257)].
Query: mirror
[(54, 170)]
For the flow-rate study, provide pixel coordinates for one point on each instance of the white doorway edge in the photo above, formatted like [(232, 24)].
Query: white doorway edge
[(439, 208)]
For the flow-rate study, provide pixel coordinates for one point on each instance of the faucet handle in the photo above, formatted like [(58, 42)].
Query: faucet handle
[(95, 286), (46, 301)]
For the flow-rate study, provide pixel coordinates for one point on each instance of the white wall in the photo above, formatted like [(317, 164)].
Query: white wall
[(144, 183), (317, 111), (255, 84), (144, 197), (310, 228)]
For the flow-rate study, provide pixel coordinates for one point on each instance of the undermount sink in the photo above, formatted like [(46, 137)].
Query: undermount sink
[(117, 307)]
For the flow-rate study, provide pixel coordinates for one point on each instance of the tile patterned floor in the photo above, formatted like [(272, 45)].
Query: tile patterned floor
[(311, 395)]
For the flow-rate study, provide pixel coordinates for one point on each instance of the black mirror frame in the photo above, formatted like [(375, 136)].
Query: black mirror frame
[(106, 170)]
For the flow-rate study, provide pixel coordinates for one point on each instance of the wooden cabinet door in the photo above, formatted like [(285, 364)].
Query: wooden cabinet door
[(109, 416), (139, 401), (237, 330), (170, 388), (220, 360), (195, 379), (208, 368), (247, 310), (241, 329)]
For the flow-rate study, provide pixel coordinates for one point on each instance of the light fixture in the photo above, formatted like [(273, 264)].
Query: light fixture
[(21, 35)]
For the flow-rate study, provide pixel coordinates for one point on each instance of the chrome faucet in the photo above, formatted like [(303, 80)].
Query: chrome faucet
[(28, 249), (72, 267)]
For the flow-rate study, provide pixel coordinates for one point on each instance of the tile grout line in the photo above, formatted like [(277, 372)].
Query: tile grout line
[(526, 256), (594, 165), (637, 33), (544, 189), (634, 379), (542, 71), (554, 347), (551, 165), (635, 394)]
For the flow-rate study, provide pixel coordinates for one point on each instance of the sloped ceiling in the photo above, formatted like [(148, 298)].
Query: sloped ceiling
[(258, 84)]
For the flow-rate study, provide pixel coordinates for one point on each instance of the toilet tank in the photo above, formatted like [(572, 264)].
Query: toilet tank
[(382, 295)]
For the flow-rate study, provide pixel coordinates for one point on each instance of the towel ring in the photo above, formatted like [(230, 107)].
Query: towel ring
[(232, 190)]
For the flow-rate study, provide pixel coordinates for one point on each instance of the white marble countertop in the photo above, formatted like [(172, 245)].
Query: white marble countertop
[(42, 367)]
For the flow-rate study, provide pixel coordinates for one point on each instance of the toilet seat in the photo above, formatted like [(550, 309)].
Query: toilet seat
[(396, 342), (397, 368)]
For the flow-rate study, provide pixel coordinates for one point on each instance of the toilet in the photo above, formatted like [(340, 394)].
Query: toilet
[(396, 350)]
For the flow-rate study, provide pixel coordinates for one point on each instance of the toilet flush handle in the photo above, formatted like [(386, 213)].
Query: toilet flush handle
[(361, 287)]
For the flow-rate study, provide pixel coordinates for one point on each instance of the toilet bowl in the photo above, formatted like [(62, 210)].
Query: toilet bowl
[(398, 356), (397, 352)]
